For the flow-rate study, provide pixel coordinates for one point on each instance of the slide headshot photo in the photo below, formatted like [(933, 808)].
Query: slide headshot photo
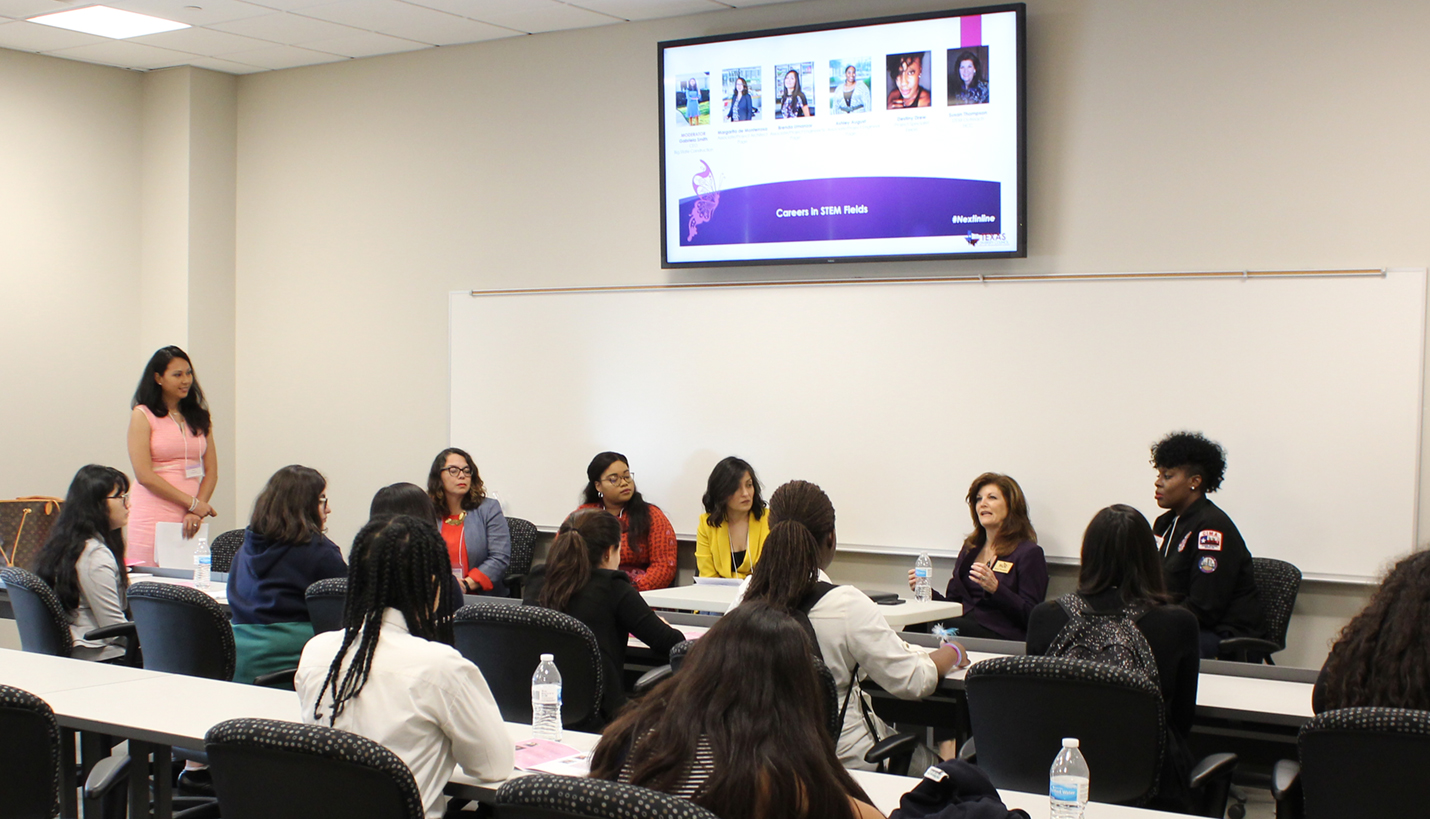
[(692, 98), (740, 93), (849, 89), (909, 84), (968, 75), (796, 87)]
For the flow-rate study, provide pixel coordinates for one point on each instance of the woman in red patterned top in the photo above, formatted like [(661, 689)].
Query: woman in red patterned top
[(647, 538)]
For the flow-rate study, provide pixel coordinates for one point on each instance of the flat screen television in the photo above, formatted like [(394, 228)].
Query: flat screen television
[(890, 138)]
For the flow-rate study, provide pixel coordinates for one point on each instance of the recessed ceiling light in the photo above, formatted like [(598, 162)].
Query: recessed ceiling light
[(107, 22)]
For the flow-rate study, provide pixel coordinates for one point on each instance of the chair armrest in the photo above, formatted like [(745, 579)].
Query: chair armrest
[(892, 747), (649, 679), (513, 585), (1240, 645), (106, 773), (277, 679), (205, 809), (127, 629), (1211, 768), (968, 752), (1285, 778)]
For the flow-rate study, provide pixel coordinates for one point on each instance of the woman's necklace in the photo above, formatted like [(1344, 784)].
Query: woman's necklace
[(453, 520)]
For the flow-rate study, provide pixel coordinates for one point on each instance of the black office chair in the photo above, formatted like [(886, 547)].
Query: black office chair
[(506, 642), (182, 630), (29, 755), (523, 542), (1021, 708), (1356, 762), (1277, 584), (545, 796), (326, 600), (44, 624), (267, 769), (222, 550)]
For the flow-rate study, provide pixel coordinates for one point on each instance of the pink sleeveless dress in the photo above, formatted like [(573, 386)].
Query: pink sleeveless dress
[(172, 453)]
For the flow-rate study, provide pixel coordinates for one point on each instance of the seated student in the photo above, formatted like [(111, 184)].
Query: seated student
[(1382, 657), (284, 552), (410, 499), (1120, 569), (81, 556), (647, 539), (740, 730), (1001, 574), (1205, 561), (852, 635), (386, 676), (476, 532), (580, 577), (734, 526)]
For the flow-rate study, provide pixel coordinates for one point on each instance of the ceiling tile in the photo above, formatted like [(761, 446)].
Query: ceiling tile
[(22, 36), (284, 56), (531, 16), (202, 41), (399, 19), (366, 44), (225, 66), (285, 28), (193, 12), (651, 9), (124, 54), (29, 8)]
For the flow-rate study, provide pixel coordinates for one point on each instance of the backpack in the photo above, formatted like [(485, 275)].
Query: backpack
[(1110, 638), (801, 615)]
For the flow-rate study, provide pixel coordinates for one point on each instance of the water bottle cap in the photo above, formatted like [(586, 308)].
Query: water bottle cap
[(1069, 742), (548, 658)]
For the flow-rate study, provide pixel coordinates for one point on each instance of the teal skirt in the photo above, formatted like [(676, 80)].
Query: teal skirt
[(264, 649)]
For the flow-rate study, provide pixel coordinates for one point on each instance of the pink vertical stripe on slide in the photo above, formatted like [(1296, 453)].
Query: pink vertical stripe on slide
[(972, 30)]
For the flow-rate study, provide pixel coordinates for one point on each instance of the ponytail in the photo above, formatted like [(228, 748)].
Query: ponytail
[(788, 567), (568, 570)]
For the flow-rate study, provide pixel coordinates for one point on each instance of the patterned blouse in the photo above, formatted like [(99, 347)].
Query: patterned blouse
[(651, 565)]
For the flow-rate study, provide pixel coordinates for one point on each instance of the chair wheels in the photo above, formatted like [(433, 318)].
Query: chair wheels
[(1236, 812)]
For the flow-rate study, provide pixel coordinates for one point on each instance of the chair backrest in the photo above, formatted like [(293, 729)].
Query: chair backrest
[(1020, 709), (1365, 762), (267, 769), (1277, 584), (523, 542), (506, 643), (182, 630), (326, 600), (40, 617), (29, 756), (678, 652), (222, 550), (545, 796)]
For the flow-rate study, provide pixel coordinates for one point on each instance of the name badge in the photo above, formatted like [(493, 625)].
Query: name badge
[(195, 471), (1003, 567)]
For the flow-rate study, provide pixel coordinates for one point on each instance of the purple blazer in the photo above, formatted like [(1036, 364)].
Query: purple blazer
[(1006, 610)]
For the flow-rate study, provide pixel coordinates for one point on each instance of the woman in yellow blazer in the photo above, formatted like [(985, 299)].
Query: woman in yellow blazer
[(734, 525)]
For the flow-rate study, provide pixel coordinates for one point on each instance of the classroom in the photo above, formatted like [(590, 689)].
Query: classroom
[(299, 231)]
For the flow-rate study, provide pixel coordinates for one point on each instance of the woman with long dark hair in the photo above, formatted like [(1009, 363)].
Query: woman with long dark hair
[(966, 83), (1382, 656), (740, 730), (734, 526), (284, 552), (1121, 572), (581, 577), (792, 101), (1001, 572), (741, 108), (411, 499), (478, 538), (851, 634), (647, 539), (83, 556), (388, 676), (171, 448)]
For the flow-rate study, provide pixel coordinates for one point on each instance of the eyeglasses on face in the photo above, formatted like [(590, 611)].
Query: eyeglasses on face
[(323, 501), (124, 497), (617, 480), (459, 471)]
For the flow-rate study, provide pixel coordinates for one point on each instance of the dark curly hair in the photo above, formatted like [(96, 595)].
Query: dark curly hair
[(725, 480), (1195, 453), (1382, 658)]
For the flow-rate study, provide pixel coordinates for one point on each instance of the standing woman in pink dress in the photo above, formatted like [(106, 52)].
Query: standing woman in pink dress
[(171, 448)]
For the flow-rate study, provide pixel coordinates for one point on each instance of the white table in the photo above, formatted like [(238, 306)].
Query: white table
[(703, 597), (217, 590), (885, 790)]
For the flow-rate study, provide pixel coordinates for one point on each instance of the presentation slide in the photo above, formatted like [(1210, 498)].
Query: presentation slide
[(883, 140)]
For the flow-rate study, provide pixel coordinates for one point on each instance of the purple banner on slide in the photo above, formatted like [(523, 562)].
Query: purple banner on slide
[(813, 210)]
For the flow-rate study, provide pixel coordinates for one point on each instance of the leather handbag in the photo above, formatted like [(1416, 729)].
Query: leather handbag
[(24, 525)]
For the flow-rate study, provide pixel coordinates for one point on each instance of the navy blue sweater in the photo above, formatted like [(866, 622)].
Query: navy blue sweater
[(267, 580)]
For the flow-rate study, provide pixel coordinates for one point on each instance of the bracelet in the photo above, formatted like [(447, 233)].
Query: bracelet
[(195, 504), (958, 649)]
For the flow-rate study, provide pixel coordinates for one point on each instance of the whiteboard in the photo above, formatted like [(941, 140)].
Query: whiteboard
[(894, 396)]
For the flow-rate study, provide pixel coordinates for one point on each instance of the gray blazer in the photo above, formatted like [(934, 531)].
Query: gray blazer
[(488, 542), (101, 603)]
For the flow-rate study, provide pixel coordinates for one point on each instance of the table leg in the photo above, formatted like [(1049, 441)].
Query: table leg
[(92, 748), (163, 782), (69, 798), (139, 779)]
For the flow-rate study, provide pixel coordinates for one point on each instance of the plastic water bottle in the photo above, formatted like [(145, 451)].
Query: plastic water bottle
[(202, 561), (546, 700), (923, 573), (1067, 782)]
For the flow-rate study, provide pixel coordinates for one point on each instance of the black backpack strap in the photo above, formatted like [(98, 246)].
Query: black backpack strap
[(816, 594)]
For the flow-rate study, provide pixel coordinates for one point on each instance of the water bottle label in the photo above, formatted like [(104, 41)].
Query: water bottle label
[(546, 694), (204, 560), (921, 572), (1067, 791)]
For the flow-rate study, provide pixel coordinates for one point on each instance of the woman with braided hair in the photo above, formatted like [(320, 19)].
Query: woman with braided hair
[(852, 636), (388, 677)]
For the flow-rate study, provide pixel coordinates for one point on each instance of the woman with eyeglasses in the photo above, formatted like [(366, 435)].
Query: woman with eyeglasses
[(478, 539), (647, 538), (284, 552), (82, 556)]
